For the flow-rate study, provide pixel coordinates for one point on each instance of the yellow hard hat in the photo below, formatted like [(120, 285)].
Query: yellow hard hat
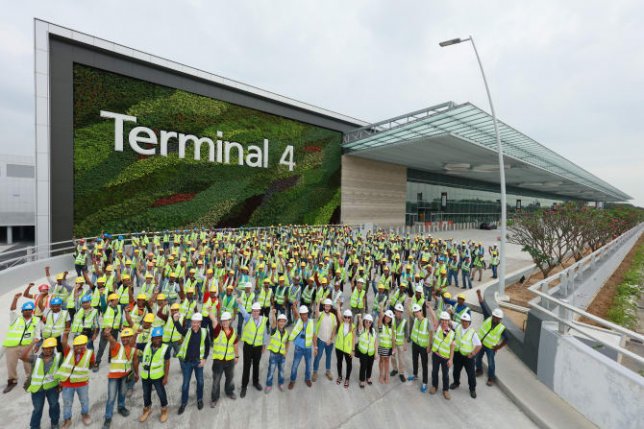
[(175, 306), (109, 268), (230, 287), (443, 271), (60, 276), (128, 262), (209, 271), (49, 342), (149, 318), (127, 332), (192, 271), (447, 295), (80, 340), (125, 277), (460, 296), (281, 279), (190, 290), (161, 297), (149, 276), (100, 279), (323, 281), (112, 296), (80, 280), (142, 296)]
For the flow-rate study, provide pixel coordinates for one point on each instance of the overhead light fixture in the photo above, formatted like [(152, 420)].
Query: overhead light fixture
[(488, 168), (463, 167)]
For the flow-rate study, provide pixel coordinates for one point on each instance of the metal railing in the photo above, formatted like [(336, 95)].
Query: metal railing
[(564, 313)]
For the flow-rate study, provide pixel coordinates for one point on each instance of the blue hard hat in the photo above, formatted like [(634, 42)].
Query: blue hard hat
[(86, 298), (56, 301), (157, 332), (120, 237), (99, 239), (29, 305)]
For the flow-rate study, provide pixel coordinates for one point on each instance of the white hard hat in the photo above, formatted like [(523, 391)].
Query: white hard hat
[(197, 317), (466, 317), (360, 280), (399, 307), (419, 288), (389, 314), (328, 302), (347, 313), (445, 315), (281, 316), (415, 308), (225, 316), (498, 313), (256, 306), (368, 317), (304, 309)]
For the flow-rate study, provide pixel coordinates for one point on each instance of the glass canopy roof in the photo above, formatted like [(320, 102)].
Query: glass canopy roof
[(471, 124)]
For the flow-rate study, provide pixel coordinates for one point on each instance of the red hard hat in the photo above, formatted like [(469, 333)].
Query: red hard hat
[(43, 287)]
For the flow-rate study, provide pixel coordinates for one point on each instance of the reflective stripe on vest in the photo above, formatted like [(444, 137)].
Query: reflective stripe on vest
[(75, 373), (464, 343), (56, 329), (251, 334), (384, 337), (420, 332), (154, 361), (357, 298), (112, 318), (367, 343), (280, 294), (122, 363), (202, 345), (308, 335), (40, 380), (400, 331), (84, 319), (278, 342), (342, 343), (442, 343), (458, 315), (20, 333), (490, 337), (223, 348), (170, 333)]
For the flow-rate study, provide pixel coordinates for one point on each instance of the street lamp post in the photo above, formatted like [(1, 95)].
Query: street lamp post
[(501, 166)]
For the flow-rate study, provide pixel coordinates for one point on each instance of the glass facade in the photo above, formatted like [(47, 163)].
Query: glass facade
[(433, 198)]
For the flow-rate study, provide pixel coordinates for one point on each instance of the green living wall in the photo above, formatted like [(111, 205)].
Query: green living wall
[(125, 191)]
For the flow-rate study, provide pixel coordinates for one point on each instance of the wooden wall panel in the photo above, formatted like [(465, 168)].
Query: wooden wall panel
[(373, 192)]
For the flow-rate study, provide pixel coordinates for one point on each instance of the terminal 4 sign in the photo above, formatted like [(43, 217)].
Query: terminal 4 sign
[(219, 151)]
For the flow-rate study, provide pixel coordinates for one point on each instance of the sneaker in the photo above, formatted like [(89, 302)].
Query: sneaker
[(315, 376), (393, 372), (308, 383), (182, 408), (199, 405), (446, 395), (258, 386), (124, 412), (242, 394), (473, 394), (411, 378), (281, 387), (490, 382), (402, 378), (454, 386), (232, 396), (87, 420), (268, 389), (107, 423), (213, 404), (432, 390), (423, 388), (291, 384), (329, 376)]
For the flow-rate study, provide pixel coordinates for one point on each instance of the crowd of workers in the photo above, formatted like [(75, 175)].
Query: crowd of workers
[(199, 294)]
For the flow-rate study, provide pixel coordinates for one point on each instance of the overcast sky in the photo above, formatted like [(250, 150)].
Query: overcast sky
[(569, 74)]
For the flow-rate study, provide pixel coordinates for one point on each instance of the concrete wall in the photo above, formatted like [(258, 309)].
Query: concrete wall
[(604, 391), (20, 275), (373, 192)]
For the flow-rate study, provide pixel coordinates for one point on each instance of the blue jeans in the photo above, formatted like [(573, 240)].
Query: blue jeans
[(452, 275), (115, 388), (38, 400), (174, 346), (490, 361), (279, 361), (187, 368), (147, 392), (301, 352), (467, 280), (323, 348), (494, 269), (68, 400)]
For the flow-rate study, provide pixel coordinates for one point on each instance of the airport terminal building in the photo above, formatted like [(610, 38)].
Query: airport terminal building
[(127, 141)]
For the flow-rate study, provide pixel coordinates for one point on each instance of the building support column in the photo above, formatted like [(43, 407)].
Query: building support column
[(9, 234)]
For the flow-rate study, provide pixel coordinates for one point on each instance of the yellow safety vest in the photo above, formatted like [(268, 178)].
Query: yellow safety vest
[(52, 329), (75, 373), (490, 337), (251, 334), (442, 343), (84, 320), (384, 336), (223, 348), (420, 332), (342, 342), (170, 333), (21, 333), (367, 343), (202, 345), (308, 338), (40, 380), (464, 343), (399, 328), (153, 363), (357, 298), (278, 342), (122, 363)]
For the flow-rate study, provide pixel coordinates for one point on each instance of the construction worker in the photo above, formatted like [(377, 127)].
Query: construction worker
[(460, 309), (73, 374), (443, 345), (247, 298), (420, 336), (494, 262), (18, 340), (154, 370), (477, 265), (189, 303), (326, 328), (254, 337), (400, 345), (143, 332), (366, 349), (294, 293), (171, 335), (229, 302), (225, 355), (493, 338), (386, 340), (344, 346), (399, 296), (466, 349), (43, 384), (304, 338), (192, 355), (281, 295), (358, 299), (465, 272), (440, 286), (41, 300), (452, 270), (278, 347), (379, 301), (112, 322), (122, 369), (56, 324)]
